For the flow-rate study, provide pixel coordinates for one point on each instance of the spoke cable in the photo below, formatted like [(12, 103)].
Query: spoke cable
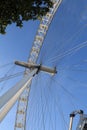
[(60, 110), (11, 76), (68, 52), (10, 71), (67, 41), (70, 94), (6, 65)]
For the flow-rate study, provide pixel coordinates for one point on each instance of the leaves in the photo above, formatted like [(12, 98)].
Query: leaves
[(17, 11)]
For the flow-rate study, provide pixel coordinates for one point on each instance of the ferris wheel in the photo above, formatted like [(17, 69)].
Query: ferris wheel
[(67, 68)]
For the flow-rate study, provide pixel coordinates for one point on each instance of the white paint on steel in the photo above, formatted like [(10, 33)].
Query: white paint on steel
[(38, 66), (12, 101), (11, 92)]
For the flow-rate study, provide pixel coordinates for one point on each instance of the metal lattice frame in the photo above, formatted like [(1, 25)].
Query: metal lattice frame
[(20, 123)]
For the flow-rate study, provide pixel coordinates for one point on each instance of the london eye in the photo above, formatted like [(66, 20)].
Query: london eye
[(43, 100)]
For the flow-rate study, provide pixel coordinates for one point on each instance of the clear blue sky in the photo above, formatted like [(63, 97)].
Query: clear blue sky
[(65, 47)]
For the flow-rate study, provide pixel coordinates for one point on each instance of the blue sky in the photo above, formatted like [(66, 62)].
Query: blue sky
[(52, 98)]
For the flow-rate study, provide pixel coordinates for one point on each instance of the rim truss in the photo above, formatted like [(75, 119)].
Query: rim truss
[(20, 122)]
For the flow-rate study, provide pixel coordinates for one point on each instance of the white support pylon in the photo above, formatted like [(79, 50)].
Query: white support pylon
[(10, 97), (12, 101)]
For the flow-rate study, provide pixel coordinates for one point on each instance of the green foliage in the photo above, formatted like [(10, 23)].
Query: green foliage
[(17, 11)]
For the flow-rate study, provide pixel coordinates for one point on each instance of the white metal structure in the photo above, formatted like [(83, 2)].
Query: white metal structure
[(10, 97), (20, 123), (82, 125), (72, 115), (37, 66)]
